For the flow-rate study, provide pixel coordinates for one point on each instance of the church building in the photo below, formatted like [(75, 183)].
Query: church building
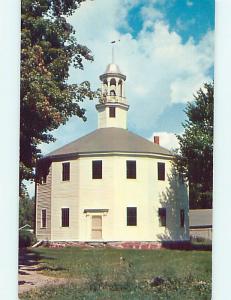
[(111, 185)]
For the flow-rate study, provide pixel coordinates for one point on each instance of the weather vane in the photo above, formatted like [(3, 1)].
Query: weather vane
[(112, 54)]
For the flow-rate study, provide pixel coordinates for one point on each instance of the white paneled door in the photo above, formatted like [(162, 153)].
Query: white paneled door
[(96, 228)]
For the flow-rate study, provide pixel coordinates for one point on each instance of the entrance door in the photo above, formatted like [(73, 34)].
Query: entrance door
[(96, 227)]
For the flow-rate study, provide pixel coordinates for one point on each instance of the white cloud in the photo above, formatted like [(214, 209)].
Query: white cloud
[(184, 25), (167, 140), (189, 3), (149, 13)]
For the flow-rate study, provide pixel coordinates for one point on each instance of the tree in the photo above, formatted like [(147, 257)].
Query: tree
[(26, 210), (195, 158), (48, 50)]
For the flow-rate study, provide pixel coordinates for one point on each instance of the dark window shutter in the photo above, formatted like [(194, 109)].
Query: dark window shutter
[(161, 171), (162, 216), (131, 216), (131, 169), (44, 218), (66, 171), (97, 169), (65, 217), (182, 218), (112, 112)]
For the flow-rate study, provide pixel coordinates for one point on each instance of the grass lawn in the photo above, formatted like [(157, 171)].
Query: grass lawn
[(101, 274)]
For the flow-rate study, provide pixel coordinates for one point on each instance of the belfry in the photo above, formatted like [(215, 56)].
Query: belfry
[(113, 107)]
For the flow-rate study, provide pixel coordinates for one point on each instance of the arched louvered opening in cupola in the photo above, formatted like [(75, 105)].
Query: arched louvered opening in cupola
[(113, 87), (120, 88), (105, 87)]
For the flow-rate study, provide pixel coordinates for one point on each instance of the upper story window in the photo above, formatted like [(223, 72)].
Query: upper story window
[(162, 216), (112, 112), (43, 218), (97, 169), (65, 217), (131, 169), (131, 216), (161, 171), (182, 218), (66, 171)]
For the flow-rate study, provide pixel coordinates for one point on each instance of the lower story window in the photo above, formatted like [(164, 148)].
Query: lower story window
[(44, 218), (65, 217), (131, 216), (162, 216), (182, 217)]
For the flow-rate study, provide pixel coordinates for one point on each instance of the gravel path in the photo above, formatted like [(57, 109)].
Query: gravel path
[(29, 277)]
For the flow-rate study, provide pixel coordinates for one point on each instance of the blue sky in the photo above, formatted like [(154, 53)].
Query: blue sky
[(165, 50), (189, 18)]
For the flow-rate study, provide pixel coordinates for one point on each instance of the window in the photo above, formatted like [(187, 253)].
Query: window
[(131, 169), (66, 171), (162, 216), (131, 216), (182, 217), (112, 112), (161, 171), (44, 218), (65, 217), (97, 169)]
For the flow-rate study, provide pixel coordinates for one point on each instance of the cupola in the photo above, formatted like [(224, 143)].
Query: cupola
[(113, 107)]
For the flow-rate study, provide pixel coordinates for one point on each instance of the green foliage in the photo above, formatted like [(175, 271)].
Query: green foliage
[(26, 209), (100, 274), (195, 158), (48, 49), (26, 238)]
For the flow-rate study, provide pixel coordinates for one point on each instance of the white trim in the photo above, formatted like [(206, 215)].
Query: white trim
[(163, 156)]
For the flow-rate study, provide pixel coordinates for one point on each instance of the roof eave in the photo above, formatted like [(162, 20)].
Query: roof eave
[(60, 157)]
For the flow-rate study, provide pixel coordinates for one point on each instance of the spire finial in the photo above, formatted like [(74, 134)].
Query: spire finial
[(113, 54)]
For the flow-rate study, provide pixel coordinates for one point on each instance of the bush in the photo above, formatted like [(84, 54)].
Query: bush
[(26, 238)]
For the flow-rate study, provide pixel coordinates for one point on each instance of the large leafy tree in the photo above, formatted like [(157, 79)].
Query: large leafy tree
[(48, 49), (195, 158)]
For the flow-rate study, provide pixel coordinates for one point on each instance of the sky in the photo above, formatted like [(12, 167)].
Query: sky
[(165, 50)]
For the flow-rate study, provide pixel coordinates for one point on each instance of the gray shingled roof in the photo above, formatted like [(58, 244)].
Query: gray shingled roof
[(110, 140), (200, 217)]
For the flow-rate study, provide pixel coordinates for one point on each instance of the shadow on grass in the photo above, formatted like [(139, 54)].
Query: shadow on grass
[(187, 246), (46, 268), (28, 257)]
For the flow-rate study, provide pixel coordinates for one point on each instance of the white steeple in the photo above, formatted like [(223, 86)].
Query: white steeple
[(113, 107)]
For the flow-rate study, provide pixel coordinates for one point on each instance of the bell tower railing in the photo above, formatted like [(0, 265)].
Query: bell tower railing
[(113, 99)]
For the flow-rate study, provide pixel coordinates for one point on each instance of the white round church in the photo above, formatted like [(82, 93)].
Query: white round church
[(111, 185)]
